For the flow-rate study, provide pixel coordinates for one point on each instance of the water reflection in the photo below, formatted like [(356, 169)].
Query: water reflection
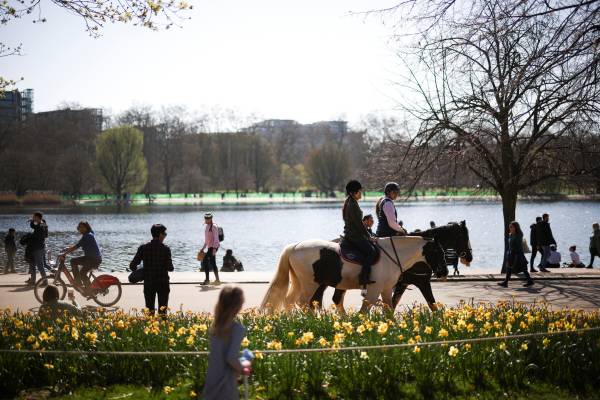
[(258, 233)]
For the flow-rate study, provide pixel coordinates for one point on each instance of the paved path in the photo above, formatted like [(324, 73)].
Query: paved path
[(573, 288)]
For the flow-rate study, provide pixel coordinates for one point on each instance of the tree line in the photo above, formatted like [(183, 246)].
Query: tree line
[(143, 150)]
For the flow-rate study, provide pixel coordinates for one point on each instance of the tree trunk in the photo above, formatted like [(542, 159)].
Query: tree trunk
[(509, 206)]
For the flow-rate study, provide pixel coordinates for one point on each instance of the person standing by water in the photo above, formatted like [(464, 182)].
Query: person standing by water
[(355, 232), (515, 259), (226, 337), (387, 216), (594, 244), (533, 242), (37, 241), (10, 247), (211, 245), (157, 265), (545, 239), (91, 259)]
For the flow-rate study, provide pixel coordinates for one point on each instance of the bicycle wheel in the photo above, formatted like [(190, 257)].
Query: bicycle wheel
[(108, 296), (42, 283)]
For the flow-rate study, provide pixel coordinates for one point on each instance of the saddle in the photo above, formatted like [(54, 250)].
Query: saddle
[(350, 254)]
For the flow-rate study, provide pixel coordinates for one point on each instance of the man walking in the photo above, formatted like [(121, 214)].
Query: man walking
[(544, 239), (10, 247), (38, 246), (594, 244), (157, 264), (211, 245), (533, 242)]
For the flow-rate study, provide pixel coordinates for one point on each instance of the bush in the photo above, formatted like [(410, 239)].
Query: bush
[(8, 199), (35, 198)]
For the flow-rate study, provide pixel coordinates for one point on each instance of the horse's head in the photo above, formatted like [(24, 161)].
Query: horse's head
[(463, 244), (435, 257), (452, 236)]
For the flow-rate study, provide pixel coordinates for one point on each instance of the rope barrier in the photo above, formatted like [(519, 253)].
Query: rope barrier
[(311, 350)]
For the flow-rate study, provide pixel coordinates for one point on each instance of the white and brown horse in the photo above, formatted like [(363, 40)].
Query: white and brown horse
[(452, 236), (308, 266)]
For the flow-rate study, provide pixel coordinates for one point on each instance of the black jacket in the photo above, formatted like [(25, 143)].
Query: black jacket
[(354, 229), (515, 257), (544, 235), (533, 237), (595, 243), (9, 243), (39, 235)]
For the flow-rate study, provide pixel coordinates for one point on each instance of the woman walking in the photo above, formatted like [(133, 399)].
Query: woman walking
[(226, 336), (515, 258)]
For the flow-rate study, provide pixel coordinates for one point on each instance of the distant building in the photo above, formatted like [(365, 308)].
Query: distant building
[(16, 106), (90, 116)]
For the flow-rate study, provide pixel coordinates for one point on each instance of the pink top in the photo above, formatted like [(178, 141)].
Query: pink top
[(211, 236)]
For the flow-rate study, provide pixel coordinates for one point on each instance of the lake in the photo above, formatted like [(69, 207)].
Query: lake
[(258, 233)]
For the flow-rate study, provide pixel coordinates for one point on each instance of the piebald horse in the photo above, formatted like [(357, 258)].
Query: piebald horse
[(313, 264), (452, 236)]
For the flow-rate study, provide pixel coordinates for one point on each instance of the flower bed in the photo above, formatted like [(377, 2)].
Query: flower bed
[(570, 360)]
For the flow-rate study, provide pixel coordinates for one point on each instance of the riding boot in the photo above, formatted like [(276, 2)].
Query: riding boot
[(363, 278)]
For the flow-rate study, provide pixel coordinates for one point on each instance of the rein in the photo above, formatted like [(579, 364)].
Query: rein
[(397, 260)]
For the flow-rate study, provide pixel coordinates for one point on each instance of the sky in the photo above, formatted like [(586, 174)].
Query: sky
[(305, 60)]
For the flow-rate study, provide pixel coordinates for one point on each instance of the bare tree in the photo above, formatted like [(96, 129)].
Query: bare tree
[(500, 87)]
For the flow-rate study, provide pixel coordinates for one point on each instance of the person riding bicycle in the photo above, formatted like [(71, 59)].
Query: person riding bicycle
[(355, 232), (91, 259), (387, 224)]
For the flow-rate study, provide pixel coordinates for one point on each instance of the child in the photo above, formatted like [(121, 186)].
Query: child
[(225, 339), (554, 258), (11, 249), (575, 259), (230, 263)]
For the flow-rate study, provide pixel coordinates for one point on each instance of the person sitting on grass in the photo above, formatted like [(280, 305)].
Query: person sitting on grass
[(230, 263), (575, 259), (53, 308), (226, 336), (553, 258)]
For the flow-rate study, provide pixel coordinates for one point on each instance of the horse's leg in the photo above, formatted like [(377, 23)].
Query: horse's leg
[(294, 292), (307, 292), (338, 300), (317, 297), (424, 285), (386, 297), (399, 290), (370, 299)]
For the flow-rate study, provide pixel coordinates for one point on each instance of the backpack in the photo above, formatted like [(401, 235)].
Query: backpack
[(221, 234), (25, 239)]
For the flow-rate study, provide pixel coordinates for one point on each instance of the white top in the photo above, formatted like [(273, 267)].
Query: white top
[(554, 257), (390, 214), (575, 258)]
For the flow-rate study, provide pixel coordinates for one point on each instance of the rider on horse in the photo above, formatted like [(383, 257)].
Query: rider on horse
[(355, 232), (387, 224)]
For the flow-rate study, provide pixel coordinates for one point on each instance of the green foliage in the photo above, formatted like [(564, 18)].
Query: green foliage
[(120, 159), (328, 167)]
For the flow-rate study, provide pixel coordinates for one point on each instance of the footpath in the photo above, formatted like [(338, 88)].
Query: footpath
[(571, 288)]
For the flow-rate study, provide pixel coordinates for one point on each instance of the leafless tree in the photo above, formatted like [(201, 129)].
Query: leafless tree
[(501, 82)]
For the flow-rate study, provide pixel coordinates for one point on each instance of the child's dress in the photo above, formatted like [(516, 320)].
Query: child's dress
[(221, 379)]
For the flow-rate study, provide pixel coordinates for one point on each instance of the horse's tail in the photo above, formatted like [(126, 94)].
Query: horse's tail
[(278, 288)]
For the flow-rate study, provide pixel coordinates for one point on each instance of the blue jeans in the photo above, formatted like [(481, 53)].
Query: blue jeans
[(39, 257)]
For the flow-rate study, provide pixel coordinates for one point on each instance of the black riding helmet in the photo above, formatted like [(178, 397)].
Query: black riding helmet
[(391, 187), (352, 187)]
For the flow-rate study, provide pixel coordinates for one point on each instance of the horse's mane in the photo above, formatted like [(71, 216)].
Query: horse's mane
[(437, 231)]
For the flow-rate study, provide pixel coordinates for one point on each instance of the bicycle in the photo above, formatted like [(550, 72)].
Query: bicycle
[(105, 289)]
